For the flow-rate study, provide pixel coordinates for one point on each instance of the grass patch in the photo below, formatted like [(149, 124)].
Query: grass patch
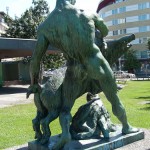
[(135, 97), (16, 126)]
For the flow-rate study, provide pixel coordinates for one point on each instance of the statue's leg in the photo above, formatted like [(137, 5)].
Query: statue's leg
[(36, 125), (102, 125), (64, 119), (70, 92), (40, 49), (80, 128), (52, 115), (84, 134), (99, 69)]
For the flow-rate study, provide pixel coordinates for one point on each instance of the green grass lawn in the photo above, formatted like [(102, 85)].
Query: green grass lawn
[(135, 97), (16, 126)]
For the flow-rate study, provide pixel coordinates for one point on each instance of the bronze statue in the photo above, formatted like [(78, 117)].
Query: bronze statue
[(73, 32), (48, 98), (91, 119), (48, 102)]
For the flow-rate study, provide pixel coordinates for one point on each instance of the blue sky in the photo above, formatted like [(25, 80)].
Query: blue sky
[(17, 7)]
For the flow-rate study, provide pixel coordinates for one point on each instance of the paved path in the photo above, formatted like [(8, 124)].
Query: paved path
[(139, 145), (14, 95)]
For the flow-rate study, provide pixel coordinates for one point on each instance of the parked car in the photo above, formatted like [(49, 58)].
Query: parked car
[(123, 74)]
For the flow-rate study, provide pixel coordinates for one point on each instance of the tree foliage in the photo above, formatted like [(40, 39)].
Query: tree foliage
[(148, 44), (131, 62), (26, 27), (53, 61)]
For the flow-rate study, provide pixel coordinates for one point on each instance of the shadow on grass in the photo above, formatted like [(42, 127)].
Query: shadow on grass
[(12, 90), (141, 79), (143, 97), (145, 108), (146, 104)]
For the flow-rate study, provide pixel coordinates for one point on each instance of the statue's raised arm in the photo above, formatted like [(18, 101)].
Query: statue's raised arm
[(99, 24), (40, 49)]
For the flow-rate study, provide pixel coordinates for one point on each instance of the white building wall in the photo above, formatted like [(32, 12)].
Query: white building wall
[(109, 13), (127, 17), (109, 23), (121, 16), (3, 25)]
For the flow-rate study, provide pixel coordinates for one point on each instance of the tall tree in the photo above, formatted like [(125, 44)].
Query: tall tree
[(131, 62), (53, 61), (148, 44), (26, 27)]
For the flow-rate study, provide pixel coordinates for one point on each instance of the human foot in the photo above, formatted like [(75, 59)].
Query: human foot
[(60, 144), (129, 129)]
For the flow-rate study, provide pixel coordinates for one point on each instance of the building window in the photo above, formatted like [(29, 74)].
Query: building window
[(117, 1), (143, 17), (143, 29), (114, 11), (138, 54), (144, 54), (115, 22), (143, 40), (122, 9), (109, 23), (122, 20), (102, 15), (2, 20), (115, 32), (148, 54), (142, 6), (123, 31)]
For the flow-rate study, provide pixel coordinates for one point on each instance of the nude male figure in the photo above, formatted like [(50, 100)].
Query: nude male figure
[(73, 32)]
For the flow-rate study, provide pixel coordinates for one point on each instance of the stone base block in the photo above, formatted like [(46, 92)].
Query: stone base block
[(116, 140)]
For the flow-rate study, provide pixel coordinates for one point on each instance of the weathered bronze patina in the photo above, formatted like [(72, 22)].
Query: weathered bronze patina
[(73, 32)]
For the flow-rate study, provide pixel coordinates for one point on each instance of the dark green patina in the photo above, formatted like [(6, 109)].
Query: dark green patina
[(91, 120), (73, 32)]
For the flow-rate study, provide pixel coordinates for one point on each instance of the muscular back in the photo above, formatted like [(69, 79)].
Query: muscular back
[(70, 30)]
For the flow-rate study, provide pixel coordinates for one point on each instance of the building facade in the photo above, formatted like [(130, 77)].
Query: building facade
[(3, 25), (124, 17)]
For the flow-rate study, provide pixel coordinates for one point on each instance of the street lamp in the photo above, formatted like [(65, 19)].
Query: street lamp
[(146, 69), (119, 64)]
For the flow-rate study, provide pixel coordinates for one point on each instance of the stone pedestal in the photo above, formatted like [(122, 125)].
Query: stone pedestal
[(116, 140)]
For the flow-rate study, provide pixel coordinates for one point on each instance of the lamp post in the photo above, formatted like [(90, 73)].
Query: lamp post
[(146, 69), (119, 64), (7, 10)]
